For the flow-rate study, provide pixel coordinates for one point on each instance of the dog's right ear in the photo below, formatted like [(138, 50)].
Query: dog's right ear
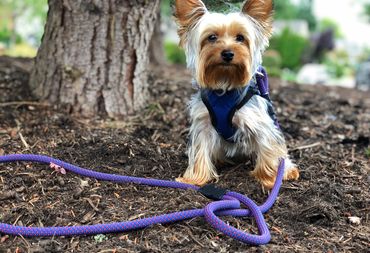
[(187, 14)]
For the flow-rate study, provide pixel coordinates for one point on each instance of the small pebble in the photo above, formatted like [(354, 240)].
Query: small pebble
[(354, 220)]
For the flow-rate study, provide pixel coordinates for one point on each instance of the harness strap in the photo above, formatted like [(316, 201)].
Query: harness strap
[(262, 81), (222, 105)]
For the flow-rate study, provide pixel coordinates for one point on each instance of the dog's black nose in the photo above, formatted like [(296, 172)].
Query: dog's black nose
[(227, 55)]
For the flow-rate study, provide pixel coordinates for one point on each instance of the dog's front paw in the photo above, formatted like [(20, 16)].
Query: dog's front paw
[(291, 174), (193, 181), (267, 181)]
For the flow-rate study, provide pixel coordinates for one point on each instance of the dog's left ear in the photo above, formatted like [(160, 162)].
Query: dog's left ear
[(261, 11)]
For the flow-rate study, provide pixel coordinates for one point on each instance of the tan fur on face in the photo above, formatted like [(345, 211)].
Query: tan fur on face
[(213, 73), (187, 14), (262, 12)]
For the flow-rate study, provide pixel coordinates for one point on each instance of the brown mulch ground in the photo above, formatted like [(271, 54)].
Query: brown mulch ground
[(327, 129)]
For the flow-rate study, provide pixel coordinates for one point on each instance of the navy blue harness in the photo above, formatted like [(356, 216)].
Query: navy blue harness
[(222, 105)]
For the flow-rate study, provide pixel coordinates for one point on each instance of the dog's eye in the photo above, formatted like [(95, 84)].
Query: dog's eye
[(240, 38), (212, 38)]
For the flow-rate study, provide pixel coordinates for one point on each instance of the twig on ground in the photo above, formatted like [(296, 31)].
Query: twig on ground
[(23, 140), (20, 103), (26, 242), (307, 146)]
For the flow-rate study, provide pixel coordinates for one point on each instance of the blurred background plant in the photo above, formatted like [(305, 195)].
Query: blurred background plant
[(367, 152), (367, 10), (338, 64), (21, 26), (174, 54), (303, 35), (301, 38), (290, 46), (328, 23)]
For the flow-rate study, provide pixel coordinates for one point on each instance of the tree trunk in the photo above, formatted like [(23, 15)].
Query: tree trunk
[(94, 56), (156, 50)]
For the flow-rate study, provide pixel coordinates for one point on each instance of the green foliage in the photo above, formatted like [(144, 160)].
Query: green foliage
[(287, 10), (337, 63), (365, 55), (213, 5), (174, 53), (327, 23), (272, 62), (335, 69), (305, 12), (166, 7), (367, 152), (367, 10), (18, 7), (223, 5), (288, 75), (290, 47), (12, 10), (284, 9), (5, 35)]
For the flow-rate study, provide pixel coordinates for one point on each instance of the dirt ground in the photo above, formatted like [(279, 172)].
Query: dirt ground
[(327, 130)]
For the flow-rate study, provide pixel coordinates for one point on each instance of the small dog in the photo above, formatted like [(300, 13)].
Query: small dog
[(229, 115)]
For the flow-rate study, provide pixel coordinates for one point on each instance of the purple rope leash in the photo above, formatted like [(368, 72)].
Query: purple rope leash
[(228, 206)]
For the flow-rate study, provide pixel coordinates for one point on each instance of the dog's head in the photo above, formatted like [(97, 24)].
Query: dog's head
[(224, 50)]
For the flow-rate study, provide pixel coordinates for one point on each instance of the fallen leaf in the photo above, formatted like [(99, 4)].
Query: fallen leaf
[(4, 238), (13, 133)]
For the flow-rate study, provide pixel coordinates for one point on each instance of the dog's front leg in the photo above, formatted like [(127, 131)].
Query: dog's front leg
[(264, 139), (201, 150), (268, 153)]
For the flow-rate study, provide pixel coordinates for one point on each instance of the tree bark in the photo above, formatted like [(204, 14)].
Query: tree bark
[(156, 50), (94, 56)]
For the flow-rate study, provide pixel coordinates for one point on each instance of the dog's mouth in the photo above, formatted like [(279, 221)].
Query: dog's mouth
[(224, 75), (226, 64)]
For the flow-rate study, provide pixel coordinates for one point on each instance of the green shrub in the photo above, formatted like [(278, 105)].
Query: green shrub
[(291, 47), (174, 53), (288, 75), (327, 23), (337, 63), (272, 62), (5, 35), (364, 55)]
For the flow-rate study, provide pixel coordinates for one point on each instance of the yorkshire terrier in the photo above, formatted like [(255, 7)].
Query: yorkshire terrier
[(230, 117)]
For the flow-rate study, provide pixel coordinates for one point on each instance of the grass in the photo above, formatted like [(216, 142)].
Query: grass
[(367, 152)]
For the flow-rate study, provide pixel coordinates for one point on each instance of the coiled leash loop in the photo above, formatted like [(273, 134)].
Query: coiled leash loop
[(228, 205)]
